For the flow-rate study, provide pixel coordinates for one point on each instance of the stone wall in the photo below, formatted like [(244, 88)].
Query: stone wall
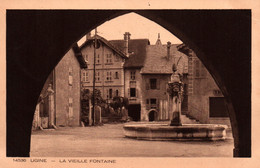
[(160, 93), (137, 82), (67, 91), (201, 87)]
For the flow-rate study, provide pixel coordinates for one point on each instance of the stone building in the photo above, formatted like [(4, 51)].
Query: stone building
[(109, 69), (146, 74), (156, 74), (135, 49), (206, 103), (59, 102)]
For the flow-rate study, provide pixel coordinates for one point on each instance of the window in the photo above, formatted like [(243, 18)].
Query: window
[(117, 93), (84, 76), (70, 107), (109, 58), (110, 93), (70, 76), (132, 92), (116, 75), (97, 59), (153, 103), (132, 75), (153, 83), (109, 76), (97, 74)]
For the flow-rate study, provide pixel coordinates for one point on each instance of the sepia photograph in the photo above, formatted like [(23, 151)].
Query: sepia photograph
[(96, 87)]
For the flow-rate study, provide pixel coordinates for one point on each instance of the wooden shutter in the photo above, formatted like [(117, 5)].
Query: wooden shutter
[(147, 104), (147, 84), (70, 76)]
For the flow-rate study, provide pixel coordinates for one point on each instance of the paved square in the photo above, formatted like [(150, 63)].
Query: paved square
[(109, 141)]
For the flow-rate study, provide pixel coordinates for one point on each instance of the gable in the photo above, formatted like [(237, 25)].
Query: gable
[(103, 41)]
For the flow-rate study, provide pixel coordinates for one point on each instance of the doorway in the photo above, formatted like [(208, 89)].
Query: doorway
[(152, 115), (134, 111)]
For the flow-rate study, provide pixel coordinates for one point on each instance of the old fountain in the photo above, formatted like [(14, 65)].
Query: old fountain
[(174, 130)]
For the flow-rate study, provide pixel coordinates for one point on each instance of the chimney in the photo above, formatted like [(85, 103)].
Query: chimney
[(88, 36), (158, 42), (126, 41), (168, 49)]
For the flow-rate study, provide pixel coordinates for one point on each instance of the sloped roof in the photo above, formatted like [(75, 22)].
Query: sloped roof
[(107, 43), (79, 56), (158, 62), (137, 50)]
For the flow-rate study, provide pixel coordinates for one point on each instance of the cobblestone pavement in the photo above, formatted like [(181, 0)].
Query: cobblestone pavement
[(109, 141)]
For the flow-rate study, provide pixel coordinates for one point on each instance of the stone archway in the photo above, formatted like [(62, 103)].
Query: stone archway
[(221, 39), (153, 115)]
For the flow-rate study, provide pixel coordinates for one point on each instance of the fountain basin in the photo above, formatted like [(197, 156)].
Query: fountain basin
[(163, 131)]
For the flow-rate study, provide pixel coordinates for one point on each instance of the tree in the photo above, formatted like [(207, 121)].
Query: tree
[(86, 97), (119, 102)]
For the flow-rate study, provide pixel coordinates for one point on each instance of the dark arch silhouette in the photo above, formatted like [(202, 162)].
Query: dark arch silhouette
[(38, 39)]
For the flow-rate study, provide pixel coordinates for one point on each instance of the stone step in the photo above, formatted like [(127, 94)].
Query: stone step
[(191, 117), (186, 120)]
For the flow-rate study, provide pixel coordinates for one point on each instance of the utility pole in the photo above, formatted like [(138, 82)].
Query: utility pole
[(94, 78)]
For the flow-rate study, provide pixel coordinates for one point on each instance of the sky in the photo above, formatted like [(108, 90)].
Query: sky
[(138, 26)]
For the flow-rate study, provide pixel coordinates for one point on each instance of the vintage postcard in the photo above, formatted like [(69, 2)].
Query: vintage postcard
[(129, 84)]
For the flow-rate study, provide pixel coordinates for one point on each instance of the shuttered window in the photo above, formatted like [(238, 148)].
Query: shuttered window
[(70, 76), (116, 75), (84, 76)]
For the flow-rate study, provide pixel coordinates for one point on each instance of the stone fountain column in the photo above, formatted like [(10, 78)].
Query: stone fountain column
[(175, 91)]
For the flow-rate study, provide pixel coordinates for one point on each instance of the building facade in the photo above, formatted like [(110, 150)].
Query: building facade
[(59, 102), (67, 88), (156, 74), (135, 49), (206, 103), (109, 71)]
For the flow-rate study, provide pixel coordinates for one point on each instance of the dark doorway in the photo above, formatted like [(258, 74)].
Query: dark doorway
[(134, 111), (152, 115)]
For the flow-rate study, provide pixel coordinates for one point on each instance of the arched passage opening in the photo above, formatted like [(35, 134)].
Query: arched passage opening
[(153, 115), (204, 31)]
